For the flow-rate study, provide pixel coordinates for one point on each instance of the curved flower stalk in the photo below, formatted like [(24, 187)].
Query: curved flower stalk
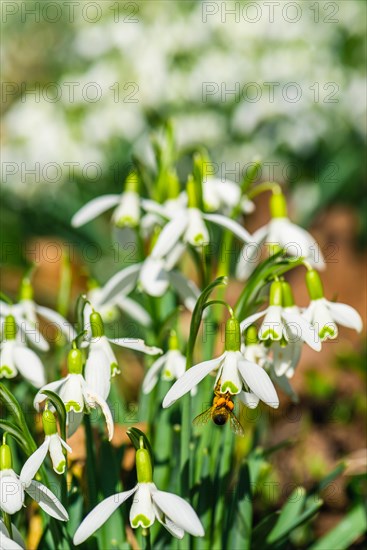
[(224, 196), (325, 315), (8, 543), (109, 309), (283, 319), (126, 206), (53, 444), (14, 487), (26, 313), (101, 363), (279, 233), (172, 365), (150, 504), (188, 226), (76, 395), (235, 374), (16, 357)]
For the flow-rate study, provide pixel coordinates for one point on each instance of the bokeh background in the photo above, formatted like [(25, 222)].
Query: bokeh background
[(84, 87)]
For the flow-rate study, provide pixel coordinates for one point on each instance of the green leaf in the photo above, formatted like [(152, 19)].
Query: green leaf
[(12, 405), (197, 316), (17, 434), (60, 409), (289, 513), (135, 434), (345, 533)]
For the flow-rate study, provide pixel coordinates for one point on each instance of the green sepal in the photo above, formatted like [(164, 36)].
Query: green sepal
[(251, 336), (49, 423), (96, 324), (314, 285), (26, 290), (275, 297), (278, 206), (6, 461), (232, 335), (132, 182), (287, 295), (75, 361), (144, 467)]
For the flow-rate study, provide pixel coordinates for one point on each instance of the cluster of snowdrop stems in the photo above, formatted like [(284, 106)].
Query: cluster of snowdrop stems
[(257, 356)]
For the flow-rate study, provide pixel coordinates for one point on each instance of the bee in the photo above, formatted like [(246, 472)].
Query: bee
[(220, 412)]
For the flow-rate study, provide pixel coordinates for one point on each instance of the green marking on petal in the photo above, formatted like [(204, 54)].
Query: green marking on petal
[(114, 369), (229, 386), (199, 238), (7, 372), (167, 375), (73, 406), (327, 332), (126, 221), (141, 520), (270, 334), (60, 468)]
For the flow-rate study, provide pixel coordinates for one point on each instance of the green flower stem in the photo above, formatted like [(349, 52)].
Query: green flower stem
[(265, 186), (185, 445), (91, 464), (7, 523)]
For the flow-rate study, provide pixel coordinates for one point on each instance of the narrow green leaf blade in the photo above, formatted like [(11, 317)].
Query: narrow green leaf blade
[(60, 409), (288, 515), (345, 533)]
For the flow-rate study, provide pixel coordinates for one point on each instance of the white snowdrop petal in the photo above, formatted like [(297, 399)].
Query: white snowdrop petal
[(249, 399), (151, 376), (97, 371), (196, 232), (153, 277), (345, 315), (58, 458), (29, 365), (94, 208), (6, 543), (230, 378), (190, 379), (52, 386), (301, 329), (237, 229), (7, 366), (136, 344), (252, 318), (259, 382), (99, 515), (47, 500), (94, 399), (123, 282), (134, 309), (170, 235), (62, 324), (250, 254), (11, 492), (34, 462), (179, 512), (272, 326), (142, 511)]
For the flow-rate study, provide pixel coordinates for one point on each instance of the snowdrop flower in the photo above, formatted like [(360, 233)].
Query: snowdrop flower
[(279, 233), (52, 444), (26, 313), (172, 364), (7, 543), (101, 363), (236, 375), (76, 395), (16, 357), (325, 315), (154, 276), (189, 225), (224, 195), (127, 206), (150, 504), (283, 322), (14, 486), (109, 309)]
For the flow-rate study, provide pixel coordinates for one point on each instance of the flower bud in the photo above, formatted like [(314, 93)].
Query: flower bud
[(144, 466), (314, 285), (96, 324), (278, 206), (232, 335), (6, 462), (49, 423), (75, 361)]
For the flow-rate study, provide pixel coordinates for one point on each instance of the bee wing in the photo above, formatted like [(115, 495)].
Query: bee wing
[(236, 426), (203, 418)]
